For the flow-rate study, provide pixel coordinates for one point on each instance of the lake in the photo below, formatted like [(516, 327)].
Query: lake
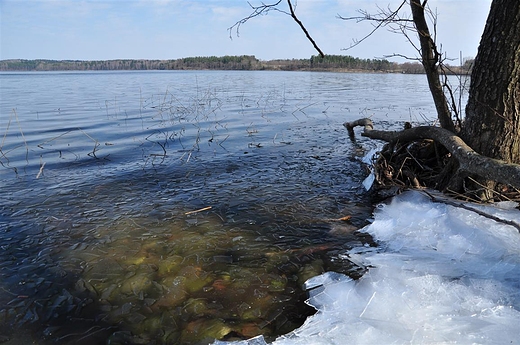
[(180, 207)]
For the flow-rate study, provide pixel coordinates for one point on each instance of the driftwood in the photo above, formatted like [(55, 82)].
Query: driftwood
[(470, 163)]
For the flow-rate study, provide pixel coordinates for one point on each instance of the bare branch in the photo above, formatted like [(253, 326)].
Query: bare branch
[(403, 30), (257, 11), (265, 9), (383, 19), (402, 56), (293, 15), (452, 102)]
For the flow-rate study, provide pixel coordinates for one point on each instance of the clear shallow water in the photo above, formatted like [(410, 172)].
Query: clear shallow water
[(100, 171), (441, 274)]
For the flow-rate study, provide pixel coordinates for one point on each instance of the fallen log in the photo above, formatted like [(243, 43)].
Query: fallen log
[(470, 163)]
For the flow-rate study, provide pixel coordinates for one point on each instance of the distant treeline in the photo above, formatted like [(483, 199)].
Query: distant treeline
[(244, 62)]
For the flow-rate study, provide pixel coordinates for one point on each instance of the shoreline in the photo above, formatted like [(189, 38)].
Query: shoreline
[(331, 63)]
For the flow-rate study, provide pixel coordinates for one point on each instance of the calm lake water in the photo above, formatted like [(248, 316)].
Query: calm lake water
[(180, 207)]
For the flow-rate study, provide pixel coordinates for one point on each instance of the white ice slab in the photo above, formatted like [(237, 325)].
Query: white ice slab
[(442, 275)]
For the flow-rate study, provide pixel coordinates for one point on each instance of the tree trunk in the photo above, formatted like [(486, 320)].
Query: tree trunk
[(492, 124), (430, 59)]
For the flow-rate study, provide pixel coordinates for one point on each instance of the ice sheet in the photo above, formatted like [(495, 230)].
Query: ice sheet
[(368, 159), (442, 275)]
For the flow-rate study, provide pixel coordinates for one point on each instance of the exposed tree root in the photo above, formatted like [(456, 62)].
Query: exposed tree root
[(433, 157)]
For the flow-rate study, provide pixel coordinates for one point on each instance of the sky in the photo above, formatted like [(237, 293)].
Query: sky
[(172, 29)]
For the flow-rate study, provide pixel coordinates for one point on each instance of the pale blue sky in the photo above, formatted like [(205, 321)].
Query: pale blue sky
[(170, 29)]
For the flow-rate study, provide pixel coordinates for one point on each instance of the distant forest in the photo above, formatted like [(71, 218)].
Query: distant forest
[(341, 63)]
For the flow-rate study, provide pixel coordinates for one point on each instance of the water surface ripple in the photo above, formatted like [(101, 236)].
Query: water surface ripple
[(179, 207)]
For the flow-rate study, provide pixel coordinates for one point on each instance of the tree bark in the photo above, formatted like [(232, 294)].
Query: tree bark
[(492, 124)]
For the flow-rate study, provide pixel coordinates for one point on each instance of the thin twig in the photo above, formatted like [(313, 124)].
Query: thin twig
[(42, 165), (472, 209), (199, 210), (487, 188), (257, 11), (96, 143), (389, 18)]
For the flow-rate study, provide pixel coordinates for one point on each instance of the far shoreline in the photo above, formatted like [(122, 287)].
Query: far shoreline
[(330, 63)]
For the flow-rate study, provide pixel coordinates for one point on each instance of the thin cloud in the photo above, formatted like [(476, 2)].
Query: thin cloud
[(112, 29)]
